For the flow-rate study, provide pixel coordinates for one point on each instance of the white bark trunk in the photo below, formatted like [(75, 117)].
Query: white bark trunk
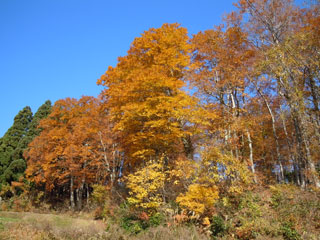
[(251, 158)]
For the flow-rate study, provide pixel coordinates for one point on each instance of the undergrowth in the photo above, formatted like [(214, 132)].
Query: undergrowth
[(278, 212)]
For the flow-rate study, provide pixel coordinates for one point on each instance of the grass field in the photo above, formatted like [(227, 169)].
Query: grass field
[(24, 225), (35, 226)]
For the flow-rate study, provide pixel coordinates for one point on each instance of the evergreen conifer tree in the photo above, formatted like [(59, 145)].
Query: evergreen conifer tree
[(33, 130), (10, 142)]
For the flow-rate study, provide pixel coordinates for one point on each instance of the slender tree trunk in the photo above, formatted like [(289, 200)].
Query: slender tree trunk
[(112, 172), (79, 197), (301, 157), (80, 193), (310, 163), (228, 139), (291, 156), (87, 193), (251, 157), (234, 115), (105, 157), (315, 96), (236, 144), (71, 193)]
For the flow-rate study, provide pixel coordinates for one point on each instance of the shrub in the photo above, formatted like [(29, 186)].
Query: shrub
[(250, 206), (99, 194), (131, 224), (156, 219), (218, 226), (146, 186), (288, 231), (198, 198)]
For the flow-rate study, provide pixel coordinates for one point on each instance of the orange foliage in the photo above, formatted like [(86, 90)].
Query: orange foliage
[(144, 95), (71, 145)]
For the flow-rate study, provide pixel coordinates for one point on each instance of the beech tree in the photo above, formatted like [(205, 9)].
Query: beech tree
[(72, 150), (221, 60), (148, 108)]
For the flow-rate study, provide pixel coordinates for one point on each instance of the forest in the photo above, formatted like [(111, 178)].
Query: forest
[(218, 132)]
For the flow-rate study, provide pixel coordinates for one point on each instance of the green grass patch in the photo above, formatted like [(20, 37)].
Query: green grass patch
[(8, 219)]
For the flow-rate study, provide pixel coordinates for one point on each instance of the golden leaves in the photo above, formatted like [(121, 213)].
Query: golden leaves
[(146, 186), (198, 198), (144, 92), (207, 180)]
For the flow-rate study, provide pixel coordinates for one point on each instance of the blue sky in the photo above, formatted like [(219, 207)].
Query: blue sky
[(55, 49)]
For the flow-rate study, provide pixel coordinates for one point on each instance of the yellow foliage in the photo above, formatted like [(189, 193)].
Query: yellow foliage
[(206, 221), (215, 174), (146, 186), (229, 173), (198, 198), (183, 171)]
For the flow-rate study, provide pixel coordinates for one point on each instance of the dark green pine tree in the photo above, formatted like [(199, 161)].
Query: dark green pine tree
[(10, 141)]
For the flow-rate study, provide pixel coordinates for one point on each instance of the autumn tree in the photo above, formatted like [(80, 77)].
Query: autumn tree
[(72, 150), (144, 95), (221, 60)]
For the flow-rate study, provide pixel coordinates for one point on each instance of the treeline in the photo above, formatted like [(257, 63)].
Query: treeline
[(185, 119)]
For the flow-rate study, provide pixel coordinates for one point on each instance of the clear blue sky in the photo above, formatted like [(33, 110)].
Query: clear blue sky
[(53, 49)]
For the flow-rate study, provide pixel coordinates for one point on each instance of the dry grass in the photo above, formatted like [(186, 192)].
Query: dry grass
[(47, 226), (174, 233), (33, 226)]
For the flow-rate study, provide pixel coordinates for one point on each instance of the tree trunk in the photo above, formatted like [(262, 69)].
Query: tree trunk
[(310, 163), (71, 194), (188, 147), (301, 157), (291, 156), (251, 157), (234, 116), (79, 197), (87, 193), (315, 96)]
